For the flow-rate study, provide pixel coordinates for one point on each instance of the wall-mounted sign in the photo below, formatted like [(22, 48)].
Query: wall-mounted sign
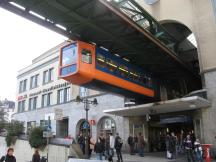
[(151, 2), (92, 122), (22, 97), (46, 90)]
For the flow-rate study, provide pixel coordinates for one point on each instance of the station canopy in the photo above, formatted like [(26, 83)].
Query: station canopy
[(162, 107), (121, 26)]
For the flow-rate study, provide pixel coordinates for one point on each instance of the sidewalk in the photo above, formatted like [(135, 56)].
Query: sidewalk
[(149, 157)]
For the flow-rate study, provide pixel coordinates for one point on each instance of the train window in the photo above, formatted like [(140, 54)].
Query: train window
[(69, 55), (111, 65), (86, 56), (101, 60), (134, 75), (123, 70)]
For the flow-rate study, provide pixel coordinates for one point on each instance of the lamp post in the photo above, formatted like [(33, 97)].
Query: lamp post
[(86, 108)]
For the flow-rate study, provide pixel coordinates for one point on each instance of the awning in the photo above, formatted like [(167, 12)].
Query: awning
[(175, 105)]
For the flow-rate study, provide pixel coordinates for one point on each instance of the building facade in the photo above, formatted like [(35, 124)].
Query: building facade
[(40, 93)]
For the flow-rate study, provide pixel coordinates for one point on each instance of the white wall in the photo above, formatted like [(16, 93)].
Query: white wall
[(23, 152)]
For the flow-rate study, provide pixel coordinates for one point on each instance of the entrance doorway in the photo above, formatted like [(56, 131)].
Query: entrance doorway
[(106, 125), (62, 128), (161, 125)]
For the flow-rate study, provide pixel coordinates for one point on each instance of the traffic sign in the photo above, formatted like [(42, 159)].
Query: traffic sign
[(85, 125)]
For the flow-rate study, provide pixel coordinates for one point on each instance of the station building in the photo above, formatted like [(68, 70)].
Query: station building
[(40, 91)]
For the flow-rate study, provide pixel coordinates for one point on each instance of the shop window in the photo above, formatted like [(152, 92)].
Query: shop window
[(86, 56), (101, 61), (107, 126)]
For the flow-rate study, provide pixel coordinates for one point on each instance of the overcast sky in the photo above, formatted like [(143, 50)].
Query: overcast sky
[(20, 42)]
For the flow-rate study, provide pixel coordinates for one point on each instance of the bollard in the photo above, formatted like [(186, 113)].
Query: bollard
[(206, 148)]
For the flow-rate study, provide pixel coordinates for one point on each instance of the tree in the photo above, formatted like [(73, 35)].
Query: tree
[(14, 129), (36, 139)]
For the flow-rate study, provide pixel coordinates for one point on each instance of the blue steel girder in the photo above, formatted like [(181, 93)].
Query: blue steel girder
[(123, 28)]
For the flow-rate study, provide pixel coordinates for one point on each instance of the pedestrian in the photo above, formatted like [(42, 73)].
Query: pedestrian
[(36, 156), (172, 147), (131, 144), (9, 157), (81, 142), (167, 140), (141, 145), (135, 143), (91, 145), (118, 146), (102, 139), (107, 147), (99, 148), (189, 148), (112, 143), (198, 151)]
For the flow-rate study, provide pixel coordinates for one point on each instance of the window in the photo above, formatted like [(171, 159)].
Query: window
[(21, 106), (61, 96), (68, 94), (83, 92), (69, 55), (34, 81), (22, 86), (64, 95), (111, 65), (48, 76), (123, 70), (30, 125), (46, 100), (101, 61), (33, 103), (86, 56), (43, 123)]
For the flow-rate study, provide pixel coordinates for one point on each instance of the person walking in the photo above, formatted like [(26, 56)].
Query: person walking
[(99, 148), (36, 156), (167, 140), (107, 147), (118, 146), (131, 144), (91, 145), (189, 149), (172, 147), (9, 157), (81, 142), (198, 151), (112, 143), (141, 145), (135, 143)]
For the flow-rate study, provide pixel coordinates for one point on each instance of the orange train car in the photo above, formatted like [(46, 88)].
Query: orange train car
[(96, 68)]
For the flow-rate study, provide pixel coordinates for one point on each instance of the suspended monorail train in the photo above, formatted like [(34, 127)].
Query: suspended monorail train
[(96, 68)]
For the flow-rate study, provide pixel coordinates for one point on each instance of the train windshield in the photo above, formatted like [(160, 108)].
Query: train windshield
[(69, 55)]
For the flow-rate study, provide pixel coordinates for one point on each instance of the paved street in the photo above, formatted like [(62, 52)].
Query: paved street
[(150, 157)]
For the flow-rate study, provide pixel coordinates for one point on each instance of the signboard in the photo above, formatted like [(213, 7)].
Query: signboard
[(85, 125), (92, 122), (58, 114), (47, 134)]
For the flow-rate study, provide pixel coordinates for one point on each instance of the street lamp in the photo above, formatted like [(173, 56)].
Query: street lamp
[(86, 108)]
